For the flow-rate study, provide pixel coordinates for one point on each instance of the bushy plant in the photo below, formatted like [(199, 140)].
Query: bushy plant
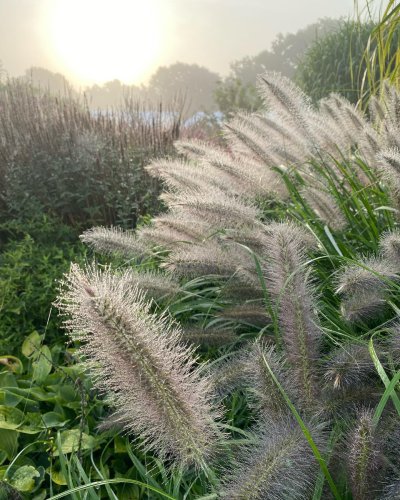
[(34, 254), (336, 62), (82, 166)]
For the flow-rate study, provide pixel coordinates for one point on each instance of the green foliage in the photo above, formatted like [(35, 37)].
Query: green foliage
[(333, 63), (49, 442), (381, 58), (81, 166), (33, 256), (238, 91)]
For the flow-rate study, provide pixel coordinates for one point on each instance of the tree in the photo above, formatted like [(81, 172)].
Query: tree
[(334, 62), (196, 82), (337, 63), (55, 83), (237, 90)]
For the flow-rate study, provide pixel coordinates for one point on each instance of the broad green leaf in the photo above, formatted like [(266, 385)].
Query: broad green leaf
[(67, 393), (42, 495), (7, 379), (32, 424), (31, 345), (9, 442), (57, 477), (24, 477), (11, 399), (12, 364), (69, 441), (10, 418), (53, 419), (42, 365)]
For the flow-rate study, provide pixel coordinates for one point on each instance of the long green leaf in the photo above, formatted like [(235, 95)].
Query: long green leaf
[(96, 484), (385, 379), (306, 433)]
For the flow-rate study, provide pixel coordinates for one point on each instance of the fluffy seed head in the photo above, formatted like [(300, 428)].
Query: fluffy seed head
[(364, 458), (349, 367), (114, 241), (137, 359), (290, 287), (279, 466), (390, 248)]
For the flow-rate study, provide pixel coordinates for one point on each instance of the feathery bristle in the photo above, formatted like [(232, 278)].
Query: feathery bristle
[(285, 99), (194, 149), (392, 492), (154, 285), (204, 259), (267, 397), (250, 313), (208, 337), (349, 366), (290, 287), (364, 458), (138, 360), (370, 274), (394, 343), (390, 248), (389, 165), (364, 305), (279, 466), (231, 374), (219, 209), (364, 288), (325, 206), (114, 241)]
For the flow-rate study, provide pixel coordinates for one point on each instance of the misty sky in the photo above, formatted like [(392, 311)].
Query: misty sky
[(97, 40)]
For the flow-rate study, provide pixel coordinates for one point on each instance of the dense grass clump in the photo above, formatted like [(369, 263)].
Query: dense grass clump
[(305, 285), (85, 167)]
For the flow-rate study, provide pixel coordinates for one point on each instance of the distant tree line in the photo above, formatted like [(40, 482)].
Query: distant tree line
[(324, 57)]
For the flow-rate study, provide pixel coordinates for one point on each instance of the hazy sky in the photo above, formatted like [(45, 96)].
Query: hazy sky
[(98, 40)]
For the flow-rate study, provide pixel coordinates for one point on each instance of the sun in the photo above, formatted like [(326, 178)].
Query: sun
[(94, 41)]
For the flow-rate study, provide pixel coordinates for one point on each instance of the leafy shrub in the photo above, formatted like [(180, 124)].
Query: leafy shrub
[(82, 166), (33, 257), (336, 62)]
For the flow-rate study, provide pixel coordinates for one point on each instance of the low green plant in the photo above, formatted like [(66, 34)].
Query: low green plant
[(34, 254)]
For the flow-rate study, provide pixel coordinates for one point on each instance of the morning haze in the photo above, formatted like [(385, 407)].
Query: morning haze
[(97, 41)]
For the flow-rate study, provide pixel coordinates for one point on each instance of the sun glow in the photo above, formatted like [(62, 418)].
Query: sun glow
[(100, 40)]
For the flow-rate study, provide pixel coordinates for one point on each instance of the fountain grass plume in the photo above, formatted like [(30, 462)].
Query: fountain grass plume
[(154, 285), (279, 465), (390, 248), (114, 241), (372, 272), (286, 100), (208, 337), (139, 361), (348, 367), (267, 398), (251, 313), (389, 166), (364, 457), (364, 287), (290, 286), (218, 208), (325, 206)]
